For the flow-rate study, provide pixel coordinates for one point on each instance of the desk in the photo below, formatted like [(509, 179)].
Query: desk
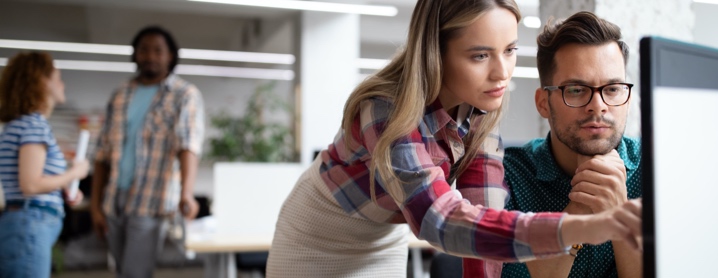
[(221, 248)]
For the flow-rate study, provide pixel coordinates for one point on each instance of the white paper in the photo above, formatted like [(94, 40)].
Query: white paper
[(79, 156)]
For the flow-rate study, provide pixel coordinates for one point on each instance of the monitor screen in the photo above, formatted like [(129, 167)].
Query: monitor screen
[(679, 97)]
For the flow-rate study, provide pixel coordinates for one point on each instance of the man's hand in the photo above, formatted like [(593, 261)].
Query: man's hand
[(99, 222), (188, 206), (600, 182), (574, 207)]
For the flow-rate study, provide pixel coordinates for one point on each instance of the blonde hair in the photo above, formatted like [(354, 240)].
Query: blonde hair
[(413, 79)]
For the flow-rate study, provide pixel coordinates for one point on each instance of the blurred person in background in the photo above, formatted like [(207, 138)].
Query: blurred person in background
[(147, 156), (33, 170)]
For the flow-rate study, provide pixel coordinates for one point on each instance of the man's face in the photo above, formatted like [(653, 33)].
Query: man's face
[(595, 128), (153, 56)]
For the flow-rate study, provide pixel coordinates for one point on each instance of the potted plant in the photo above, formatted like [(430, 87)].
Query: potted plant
[(252, 136)]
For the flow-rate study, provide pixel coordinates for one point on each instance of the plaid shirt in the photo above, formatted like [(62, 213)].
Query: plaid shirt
[(434, 211), (175, 122)]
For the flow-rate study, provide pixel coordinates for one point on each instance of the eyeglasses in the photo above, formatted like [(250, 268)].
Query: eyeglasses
[(576, 95)]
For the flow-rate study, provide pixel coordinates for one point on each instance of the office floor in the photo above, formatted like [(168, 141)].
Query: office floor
[(185, 272)]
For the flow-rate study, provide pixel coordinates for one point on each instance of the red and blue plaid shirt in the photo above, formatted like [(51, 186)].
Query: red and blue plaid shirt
[(465, 221)]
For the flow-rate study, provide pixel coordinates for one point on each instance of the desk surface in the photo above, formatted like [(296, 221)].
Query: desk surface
[(229, 243)]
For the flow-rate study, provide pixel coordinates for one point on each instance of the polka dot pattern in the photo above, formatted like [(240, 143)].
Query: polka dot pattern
[(538, 184)]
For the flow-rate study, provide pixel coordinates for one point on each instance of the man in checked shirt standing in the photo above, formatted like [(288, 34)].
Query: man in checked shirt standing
[(147, 155)]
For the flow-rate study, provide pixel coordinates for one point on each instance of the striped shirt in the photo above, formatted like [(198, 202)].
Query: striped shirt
[(455, 221), (174, 122), (29, 129)]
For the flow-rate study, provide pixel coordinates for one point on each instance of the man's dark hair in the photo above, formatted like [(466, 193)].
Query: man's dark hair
[(157, 30), (581, 28)]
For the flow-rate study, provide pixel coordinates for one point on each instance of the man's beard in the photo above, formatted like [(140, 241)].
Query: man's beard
[(149, 74), (593, 146)]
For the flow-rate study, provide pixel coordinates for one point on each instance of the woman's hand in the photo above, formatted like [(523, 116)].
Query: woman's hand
[(80, 169), (622, 223), (73, 202)]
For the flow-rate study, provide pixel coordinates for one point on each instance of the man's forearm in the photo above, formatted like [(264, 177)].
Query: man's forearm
[(99, 181), (629, 262), (188, 171)]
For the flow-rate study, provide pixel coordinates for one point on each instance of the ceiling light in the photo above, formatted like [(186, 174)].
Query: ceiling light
[(68, 47), (199, 70), (313, 6), (532, 22), (126, 50), (714, 2)]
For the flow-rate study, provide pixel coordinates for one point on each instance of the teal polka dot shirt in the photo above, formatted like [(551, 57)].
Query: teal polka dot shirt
[(538, 184)]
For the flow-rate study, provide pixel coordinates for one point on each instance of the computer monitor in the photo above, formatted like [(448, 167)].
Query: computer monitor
[(679, 119)]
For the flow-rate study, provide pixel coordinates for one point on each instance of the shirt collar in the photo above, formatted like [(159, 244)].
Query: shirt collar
[(548, 169), (437, 118)]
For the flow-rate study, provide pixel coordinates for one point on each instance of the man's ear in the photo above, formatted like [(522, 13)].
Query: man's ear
[(541, 99)]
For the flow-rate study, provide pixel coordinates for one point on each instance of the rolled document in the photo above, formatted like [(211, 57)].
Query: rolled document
[(79, 156)]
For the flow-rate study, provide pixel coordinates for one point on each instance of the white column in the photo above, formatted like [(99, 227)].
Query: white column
[(329, 51), (637, 18)]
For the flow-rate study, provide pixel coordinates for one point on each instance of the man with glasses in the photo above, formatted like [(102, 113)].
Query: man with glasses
[(585, 164)]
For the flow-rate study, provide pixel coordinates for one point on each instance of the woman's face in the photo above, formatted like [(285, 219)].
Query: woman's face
[(55, 87), (479, 62)]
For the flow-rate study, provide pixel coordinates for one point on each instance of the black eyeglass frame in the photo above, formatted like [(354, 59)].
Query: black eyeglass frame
[(593, 89)]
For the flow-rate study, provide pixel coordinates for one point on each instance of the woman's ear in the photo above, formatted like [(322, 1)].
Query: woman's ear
[(541, 99)]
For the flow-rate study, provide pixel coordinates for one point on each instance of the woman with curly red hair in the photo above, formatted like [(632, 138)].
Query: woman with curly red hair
[(32, 167)]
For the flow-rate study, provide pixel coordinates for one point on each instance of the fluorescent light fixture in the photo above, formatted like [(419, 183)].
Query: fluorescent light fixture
[(68, 47), (199, 70), (525, 72), (714, 2), (253, 73), (312, 6), (236, 56), (126, 50), (532, 22), (95, 65)]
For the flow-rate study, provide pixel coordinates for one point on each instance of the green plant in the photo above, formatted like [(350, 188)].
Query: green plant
[(251, 137)]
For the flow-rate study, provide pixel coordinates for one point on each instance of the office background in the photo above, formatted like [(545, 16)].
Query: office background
[(323, 55)]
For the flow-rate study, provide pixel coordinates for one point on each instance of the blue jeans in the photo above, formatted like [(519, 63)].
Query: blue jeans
[(26, 240)]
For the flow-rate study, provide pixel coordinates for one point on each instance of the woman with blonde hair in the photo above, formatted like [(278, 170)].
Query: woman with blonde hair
[(32, 167), (427, 120)]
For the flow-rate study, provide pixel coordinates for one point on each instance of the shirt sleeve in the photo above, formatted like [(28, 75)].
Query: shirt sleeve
[(483, 184), (190, 126), (36, 132), (483, 181), (441, 216)]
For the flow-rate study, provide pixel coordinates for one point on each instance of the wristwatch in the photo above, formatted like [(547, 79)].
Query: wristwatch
[(574, 249)]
